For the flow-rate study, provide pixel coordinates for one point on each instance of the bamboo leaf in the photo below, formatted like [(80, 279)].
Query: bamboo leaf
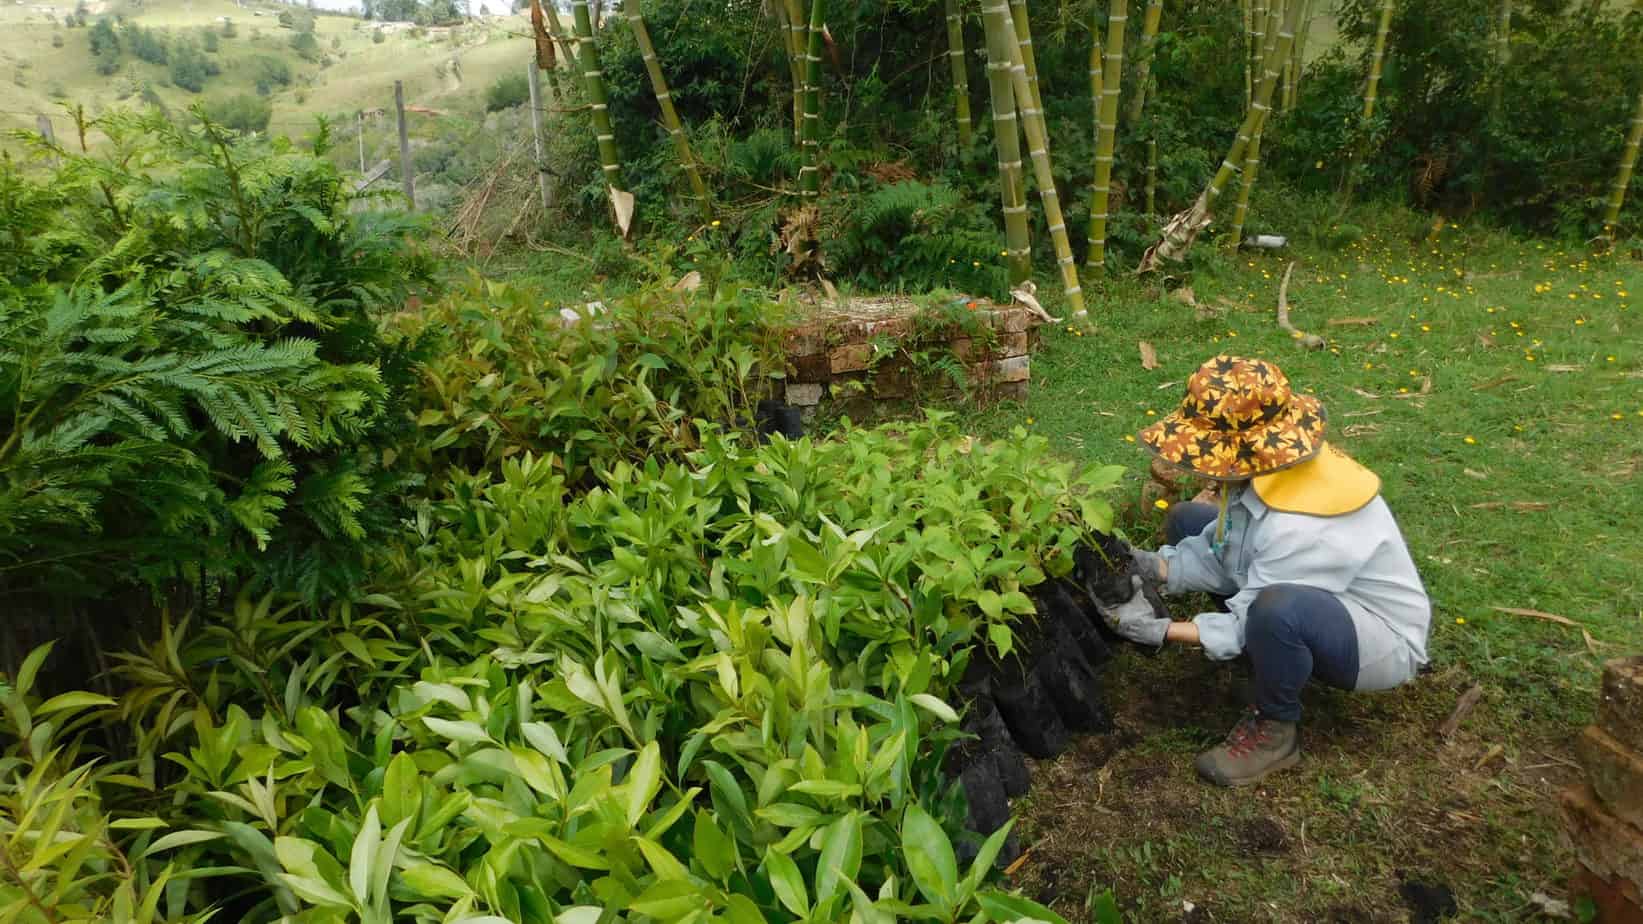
[(930, 857)]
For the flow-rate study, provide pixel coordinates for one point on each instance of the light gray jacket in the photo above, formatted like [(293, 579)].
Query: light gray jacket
[(1359, 557)]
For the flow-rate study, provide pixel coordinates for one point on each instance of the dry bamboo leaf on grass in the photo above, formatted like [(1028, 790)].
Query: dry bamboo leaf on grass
[(1463, 706), (1352, 322), (1526, 506), (1149, 356)]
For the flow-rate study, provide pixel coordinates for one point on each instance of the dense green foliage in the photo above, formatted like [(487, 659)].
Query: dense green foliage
[(192, 368), (1544, 160), (507, 91), (616, 655)]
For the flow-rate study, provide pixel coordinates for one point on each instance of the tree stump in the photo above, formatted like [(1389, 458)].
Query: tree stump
[(1604, 817)]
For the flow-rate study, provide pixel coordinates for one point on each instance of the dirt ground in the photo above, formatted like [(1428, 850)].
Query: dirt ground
[(1383, 821)]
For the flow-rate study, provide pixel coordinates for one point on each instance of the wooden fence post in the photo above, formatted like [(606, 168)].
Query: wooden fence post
[(359, 123), (43, 123), (536, 130), (407, 178)]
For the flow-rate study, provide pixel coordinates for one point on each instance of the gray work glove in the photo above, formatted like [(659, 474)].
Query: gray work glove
[(1135, 619), (1149, 565)]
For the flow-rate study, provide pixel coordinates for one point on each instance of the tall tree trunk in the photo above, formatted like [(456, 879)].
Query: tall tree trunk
[(1503, 58), (593, 80), (1024, 39), (1249, 51), (1112, 73), (961, 73), (1628, 161), (1257, 38), (1375, 60), (1183, 229), (810, 173), (1143, 60), (798, 43), (1252, 155), (1152, 176), (998, 18), (1297, 59), (1007, 139), (566, 41), (670, 115)]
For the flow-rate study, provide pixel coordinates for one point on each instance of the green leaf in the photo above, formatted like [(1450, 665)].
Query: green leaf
[(929, 856), (935, 706), (991, 604), (644, 781), (1018, 603), (670, 900), (575, 856), (663, 863), (1003, 908), (364, 854), (433, 881), (791, 815), (461, 732), (182, 839), (31, 666), (712, 848), (840, 858), (787, 883), (75, 700), (1104, 909), (982, 865), (401, 789), (316, 891), (1002, 638), (827, 789)]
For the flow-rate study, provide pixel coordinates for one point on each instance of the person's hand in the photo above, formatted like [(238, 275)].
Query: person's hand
[(1150, 566), (1135, 619)]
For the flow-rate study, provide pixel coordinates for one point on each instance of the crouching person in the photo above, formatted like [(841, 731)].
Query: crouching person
[(1317, 581)]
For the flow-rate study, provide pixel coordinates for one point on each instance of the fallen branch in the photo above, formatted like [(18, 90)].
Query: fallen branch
[(1352, 322), (1307, 341), (1463, 707)]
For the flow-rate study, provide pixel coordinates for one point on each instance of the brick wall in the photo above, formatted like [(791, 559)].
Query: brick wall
[(876, 351)]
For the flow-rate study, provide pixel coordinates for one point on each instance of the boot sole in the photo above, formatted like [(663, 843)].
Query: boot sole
[(1282, 764)]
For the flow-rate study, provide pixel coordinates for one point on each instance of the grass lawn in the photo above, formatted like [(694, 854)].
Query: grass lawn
[(1498, 391)]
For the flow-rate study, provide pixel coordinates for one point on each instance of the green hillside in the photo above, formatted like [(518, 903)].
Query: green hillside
[(47, 65)]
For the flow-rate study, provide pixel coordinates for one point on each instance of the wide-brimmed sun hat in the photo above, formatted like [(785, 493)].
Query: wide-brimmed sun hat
[(1239, 419)]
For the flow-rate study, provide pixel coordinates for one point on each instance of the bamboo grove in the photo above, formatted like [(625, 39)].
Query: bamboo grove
[(996, 38)]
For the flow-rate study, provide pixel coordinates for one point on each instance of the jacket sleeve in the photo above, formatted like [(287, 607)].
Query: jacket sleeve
[(1194, 566), (1292, 550)]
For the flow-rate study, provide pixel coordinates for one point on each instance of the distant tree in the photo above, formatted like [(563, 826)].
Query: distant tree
[(190, 68), (209, 40), (147, 44), (286, 19), (228, 29), (306, 46), (506, 92), (377, 36), (336, 42), (269, 72), (104, 41), (57, 40), (242, 113)]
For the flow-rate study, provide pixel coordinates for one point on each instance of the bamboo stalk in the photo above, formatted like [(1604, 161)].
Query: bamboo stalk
[(1152, 176), (1378, 56), (670, 115), (1297, 59), (1628, 162), (566, 41), (810, 173), (798, 39), (999, 18), (1112, 73), (1007, 139), (961, 74), (1183, 229), (1249, 52), (593, 80), (1252, 155), (1024, 39), (1257, 38), (1503, 58), (1143, 59)]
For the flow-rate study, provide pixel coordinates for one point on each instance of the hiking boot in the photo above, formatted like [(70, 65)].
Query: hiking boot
[(1256, 747)]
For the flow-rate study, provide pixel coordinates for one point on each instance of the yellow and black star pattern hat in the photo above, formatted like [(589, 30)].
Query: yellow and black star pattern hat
[(1239, 419)]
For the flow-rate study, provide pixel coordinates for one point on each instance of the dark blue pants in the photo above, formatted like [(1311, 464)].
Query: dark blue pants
[(1292, 633)]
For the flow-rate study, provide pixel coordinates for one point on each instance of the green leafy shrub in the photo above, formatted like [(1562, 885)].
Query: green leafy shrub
[(506, 92), (190, 68), (193, 359), (242, 112)]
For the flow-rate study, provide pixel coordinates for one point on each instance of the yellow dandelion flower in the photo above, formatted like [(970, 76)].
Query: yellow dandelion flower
[(1427, 328), (1030, 421), (1609, 358), (1128, 438), (1161, 504), (1470, 441), (714, 223), (1617, 416), (1460, 620), (1393, 335), (1152, 413), (1580, 322)]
